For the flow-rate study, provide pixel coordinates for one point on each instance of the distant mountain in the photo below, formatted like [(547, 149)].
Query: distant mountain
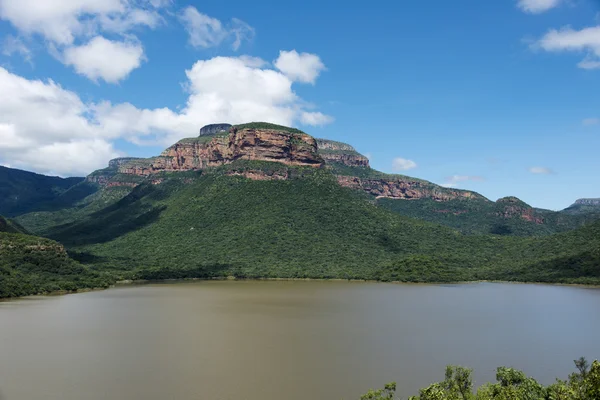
[(22, 192), (265, 201), (584, 206)]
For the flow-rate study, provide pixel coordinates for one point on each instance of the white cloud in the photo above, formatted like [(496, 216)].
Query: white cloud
[(65, 24), (589, 63), (205, 31), (586, 40), (537, 6), (253, 62), (14, 45), (402, 164), (47, 128), (315, 118), (541, 170), (241, 32), (302, 67), (590, 121), (105, 59), (61, 21), (454, 180)]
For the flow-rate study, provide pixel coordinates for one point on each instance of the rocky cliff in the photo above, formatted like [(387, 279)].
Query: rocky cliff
[(238, 144), (404, 188), (513, 207), (267, 142), (342, 153)]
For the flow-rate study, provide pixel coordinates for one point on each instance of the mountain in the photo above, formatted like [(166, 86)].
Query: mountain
[(222, 144), (22, 191), (584, 207), (265, 201)]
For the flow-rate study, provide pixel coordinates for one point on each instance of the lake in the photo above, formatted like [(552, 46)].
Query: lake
[(286, 340)]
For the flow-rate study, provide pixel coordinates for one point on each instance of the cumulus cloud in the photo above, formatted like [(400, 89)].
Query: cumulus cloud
[(303, 67), (105, 59), (65, 24), (403, 164), (537, 6), (47, 128), (590, 121), (455, 180), (205, 31), (540, 170), (585, 41)]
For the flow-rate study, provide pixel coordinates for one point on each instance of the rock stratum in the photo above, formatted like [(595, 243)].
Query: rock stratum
[(208, 151)]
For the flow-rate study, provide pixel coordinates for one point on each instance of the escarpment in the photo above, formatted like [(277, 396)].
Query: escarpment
[(222, 144)]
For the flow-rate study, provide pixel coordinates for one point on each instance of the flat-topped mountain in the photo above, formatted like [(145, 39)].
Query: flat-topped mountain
[(224, 145), (266, 201), (274, 143), (590, 207)]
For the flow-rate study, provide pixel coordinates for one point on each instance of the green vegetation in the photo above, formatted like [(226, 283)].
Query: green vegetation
[(40, 221), (22, 191), (266, 125), (204, 138), (481, 216), (369, 173), (511, 384), (293, 222), (212, 224), (33, 265), (10, 226)]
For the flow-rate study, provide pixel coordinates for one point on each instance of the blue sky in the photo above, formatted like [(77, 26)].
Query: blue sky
[(500, 97)]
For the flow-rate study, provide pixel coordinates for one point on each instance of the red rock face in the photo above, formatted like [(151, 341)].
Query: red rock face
[(246, 144), (403, 189), (528, 214)]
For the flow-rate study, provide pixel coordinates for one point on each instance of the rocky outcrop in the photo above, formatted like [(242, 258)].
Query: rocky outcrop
[(588, 202), (258, 175), (351, 160), (213, 129), (341, 153), (512, 207), (245, 144), (406, 189), (325, 144), (117, 162)]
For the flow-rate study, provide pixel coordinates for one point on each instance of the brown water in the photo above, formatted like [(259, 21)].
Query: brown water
[(285, 340)]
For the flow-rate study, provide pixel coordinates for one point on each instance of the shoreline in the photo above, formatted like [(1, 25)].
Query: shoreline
[(128, 282), (141, 282)]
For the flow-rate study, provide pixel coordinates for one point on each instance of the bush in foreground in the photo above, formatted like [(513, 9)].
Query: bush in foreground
[(511, 384)]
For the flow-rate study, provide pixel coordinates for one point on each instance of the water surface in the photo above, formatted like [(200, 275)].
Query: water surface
[(285, 340)]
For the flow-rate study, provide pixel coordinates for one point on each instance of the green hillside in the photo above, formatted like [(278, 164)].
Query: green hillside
[(216, 225), (33, 265), (480, 216), (22, 192), (10, 226)]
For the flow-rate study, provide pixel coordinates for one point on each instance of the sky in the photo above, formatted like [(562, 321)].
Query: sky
[(501, 97)]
